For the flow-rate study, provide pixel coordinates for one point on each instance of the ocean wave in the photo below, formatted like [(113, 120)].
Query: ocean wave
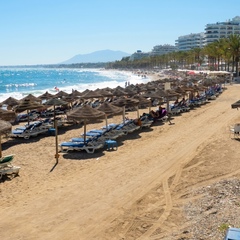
[(42, 80), (16, 85)]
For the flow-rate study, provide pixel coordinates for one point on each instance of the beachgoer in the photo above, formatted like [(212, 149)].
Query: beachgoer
[(183, 102)]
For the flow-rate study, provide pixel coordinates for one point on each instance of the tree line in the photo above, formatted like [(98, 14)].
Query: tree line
[(222, 54)]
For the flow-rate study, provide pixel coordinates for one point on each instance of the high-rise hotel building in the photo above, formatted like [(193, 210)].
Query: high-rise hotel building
[(219, 30), (213, 32), (190, 41)]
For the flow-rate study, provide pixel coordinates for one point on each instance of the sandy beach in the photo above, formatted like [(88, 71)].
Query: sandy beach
[(140, 191)]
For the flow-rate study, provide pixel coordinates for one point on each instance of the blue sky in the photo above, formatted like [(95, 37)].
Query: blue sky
[(52, 31)]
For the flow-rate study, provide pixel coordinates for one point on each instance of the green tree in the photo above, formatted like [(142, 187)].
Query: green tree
[(234, 47)]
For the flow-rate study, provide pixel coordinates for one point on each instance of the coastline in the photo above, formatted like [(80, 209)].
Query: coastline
[(107, 78)]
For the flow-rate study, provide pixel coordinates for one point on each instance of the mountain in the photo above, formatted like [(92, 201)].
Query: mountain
[(98, 56)]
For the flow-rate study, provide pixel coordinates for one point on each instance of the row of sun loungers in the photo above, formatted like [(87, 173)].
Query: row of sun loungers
[(99, 138)]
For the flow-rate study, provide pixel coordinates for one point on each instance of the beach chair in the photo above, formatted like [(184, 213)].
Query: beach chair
[(235, 130), (6, 167), (89, 147), (108, 133), (31, 130), (127, 127), (146, 122)]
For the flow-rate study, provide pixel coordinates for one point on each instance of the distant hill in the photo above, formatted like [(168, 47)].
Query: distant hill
[(98, 56)]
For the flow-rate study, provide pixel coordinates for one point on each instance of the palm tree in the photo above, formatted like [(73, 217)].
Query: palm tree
[(234, 45)]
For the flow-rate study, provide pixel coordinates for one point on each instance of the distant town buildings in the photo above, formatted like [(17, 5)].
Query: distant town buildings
[(213, 32), (156, 51), (138, 55)]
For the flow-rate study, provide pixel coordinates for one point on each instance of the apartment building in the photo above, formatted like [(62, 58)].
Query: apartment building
[(162, 49), (190, 41), (215, 31)]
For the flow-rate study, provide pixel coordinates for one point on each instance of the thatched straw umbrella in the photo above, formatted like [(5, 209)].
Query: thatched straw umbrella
[(85, 113), (6, 115), (61, 94), (10, 102), (109, 109), (5, 127), (31, 98), (27, 104), (46, 96), (126, 102)]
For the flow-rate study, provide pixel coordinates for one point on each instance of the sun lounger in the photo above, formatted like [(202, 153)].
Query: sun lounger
[(31, 130), (126, 127), (145, 122), (89, 147), (235, 130), (108, 134), (6, 167)]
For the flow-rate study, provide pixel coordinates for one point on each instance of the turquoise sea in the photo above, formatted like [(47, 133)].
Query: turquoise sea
[(19, 82)]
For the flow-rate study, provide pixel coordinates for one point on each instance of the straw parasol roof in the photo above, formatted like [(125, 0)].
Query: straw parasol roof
[(119, 92), (180, 90), (31, 97), (109, 109), (75, 94), (10, 101), (130, 92), (61, 94), (92, 94), (104, 93), (5, 127), (46, 95), (142, 100), (7, 115), (120, 102), (85, 113), (27, 104)]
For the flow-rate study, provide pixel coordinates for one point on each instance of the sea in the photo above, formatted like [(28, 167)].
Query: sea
[(18, 82)]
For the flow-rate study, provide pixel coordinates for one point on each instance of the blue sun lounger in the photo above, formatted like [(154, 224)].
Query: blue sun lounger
[(89, 147)]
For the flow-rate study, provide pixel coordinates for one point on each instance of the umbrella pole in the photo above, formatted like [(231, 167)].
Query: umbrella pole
[(137, 112), (28, 117), (0, 146), (56, 134), (106, 121), (168, 108), (85, 131), (123, 114)]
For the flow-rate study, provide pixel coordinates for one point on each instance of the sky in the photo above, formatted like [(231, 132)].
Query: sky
[(53, 31)]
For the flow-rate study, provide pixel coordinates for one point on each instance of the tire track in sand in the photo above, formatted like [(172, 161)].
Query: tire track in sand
[(220, 118)]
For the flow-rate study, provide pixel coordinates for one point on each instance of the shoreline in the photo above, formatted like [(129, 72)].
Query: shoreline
[(118, 79)]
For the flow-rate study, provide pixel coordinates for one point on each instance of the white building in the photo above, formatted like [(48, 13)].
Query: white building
[(219, 30), (190, 41), (138, 55), (162, 49)]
